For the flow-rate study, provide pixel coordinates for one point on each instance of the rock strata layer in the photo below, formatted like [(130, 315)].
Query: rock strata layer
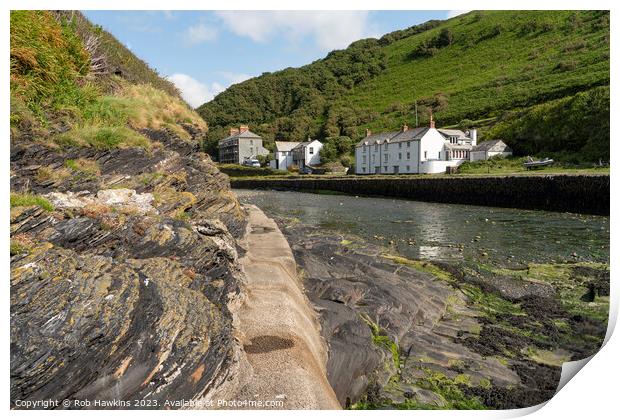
[(123, 290), (415, 334)]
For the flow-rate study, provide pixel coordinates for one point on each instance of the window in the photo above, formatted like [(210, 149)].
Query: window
[(408, 168), (400, 155), (376, 147), (400, 145), (439, 155), (385, 156), (251, 142), (363, 169), (408, 155), (386, 146), (385, 168), (311, 150), (425, 154), (408, 144)]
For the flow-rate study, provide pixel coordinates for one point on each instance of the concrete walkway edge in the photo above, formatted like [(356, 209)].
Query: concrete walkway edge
[(278, 326)]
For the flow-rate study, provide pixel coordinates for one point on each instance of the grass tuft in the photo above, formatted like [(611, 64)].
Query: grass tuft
[(25, 200)]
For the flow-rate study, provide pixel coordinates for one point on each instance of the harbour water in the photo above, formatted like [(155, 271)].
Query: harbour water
[(445, 232)]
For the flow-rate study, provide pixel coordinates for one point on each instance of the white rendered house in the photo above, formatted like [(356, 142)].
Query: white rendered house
[(489, 149), (283, 154), (307, 153), (421, 150)]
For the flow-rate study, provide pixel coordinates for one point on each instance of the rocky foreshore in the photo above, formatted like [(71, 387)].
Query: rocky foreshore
[(124, 271), (417, 334)]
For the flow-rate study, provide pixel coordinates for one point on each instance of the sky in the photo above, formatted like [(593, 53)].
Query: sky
[(204, 52)]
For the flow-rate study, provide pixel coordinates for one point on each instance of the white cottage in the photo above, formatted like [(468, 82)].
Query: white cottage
[(489, 149), (283, 154), (413, 151), (307, 153)]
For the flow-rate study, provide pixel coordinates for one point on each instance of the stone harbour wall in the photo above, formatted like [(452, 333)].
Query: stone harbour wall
[(564, 193)]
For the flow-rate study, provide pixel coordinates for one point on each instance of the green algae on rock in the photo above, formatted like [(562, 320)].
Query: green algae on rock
[(465, 335)]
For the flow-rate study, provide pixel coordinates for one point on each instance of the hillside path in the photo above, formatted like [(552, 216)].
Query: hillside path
[(279, 329)]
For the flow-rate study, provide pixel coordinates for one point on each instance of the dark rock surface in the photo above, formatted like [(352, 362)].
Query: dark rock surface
[(118, 301), (405, 336)]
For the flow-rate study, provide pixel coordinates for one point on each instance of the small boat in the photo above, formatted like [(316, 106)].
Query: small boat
[(533, 164)]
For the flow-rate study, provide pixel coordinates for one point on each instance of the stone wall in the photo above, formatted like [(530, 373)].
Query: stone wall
[(566, 193)]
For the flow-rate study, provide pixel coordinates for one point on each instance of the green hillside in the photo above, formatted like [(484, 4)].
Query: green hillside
[(74, 84), (538, 79)]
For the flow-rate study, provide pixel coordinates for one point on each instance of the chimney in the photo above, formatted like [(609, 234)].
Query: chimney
[(233, 131), (243, 128), (405, 127), (368, 133), (432, 122), (473, 135)]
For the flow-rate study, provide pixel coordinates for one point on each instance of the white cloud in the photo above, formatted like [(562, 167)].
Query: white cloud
[(454, 13), (234, 78), (329, 29), (194, 92), (200, 33)]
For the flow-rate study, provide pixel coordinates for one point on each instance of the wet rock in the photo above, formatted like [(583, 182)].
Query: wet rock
[(109, 330), (356, 288)]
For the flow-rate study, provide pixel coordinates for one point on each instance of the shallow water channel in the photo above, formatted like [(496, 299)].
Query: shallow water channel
[(445, 232)]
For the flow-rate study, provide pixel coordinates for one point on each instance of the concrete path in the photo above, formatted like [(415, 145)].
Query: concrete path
[(279, 329)]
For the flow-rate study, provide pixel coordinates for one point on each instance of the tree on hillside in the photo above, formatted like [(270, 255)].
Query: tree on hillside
[(337, 148), (444, 39)]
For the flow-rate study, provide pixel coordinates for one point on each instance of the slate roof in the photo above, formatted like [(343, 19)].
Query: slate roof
[(304, 143), (411, 134), (245, 135), (377, 138), (486, 146), (300, 145), (446, 132), (286, 146)]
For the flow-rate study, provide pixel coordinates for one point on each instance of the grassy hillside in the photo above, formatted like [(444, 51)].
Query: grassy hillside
[(73, 84), (538, 79)]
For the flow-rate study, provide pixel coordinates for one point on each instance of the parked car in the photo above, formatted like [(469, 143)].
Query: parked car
[(252, 162)]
